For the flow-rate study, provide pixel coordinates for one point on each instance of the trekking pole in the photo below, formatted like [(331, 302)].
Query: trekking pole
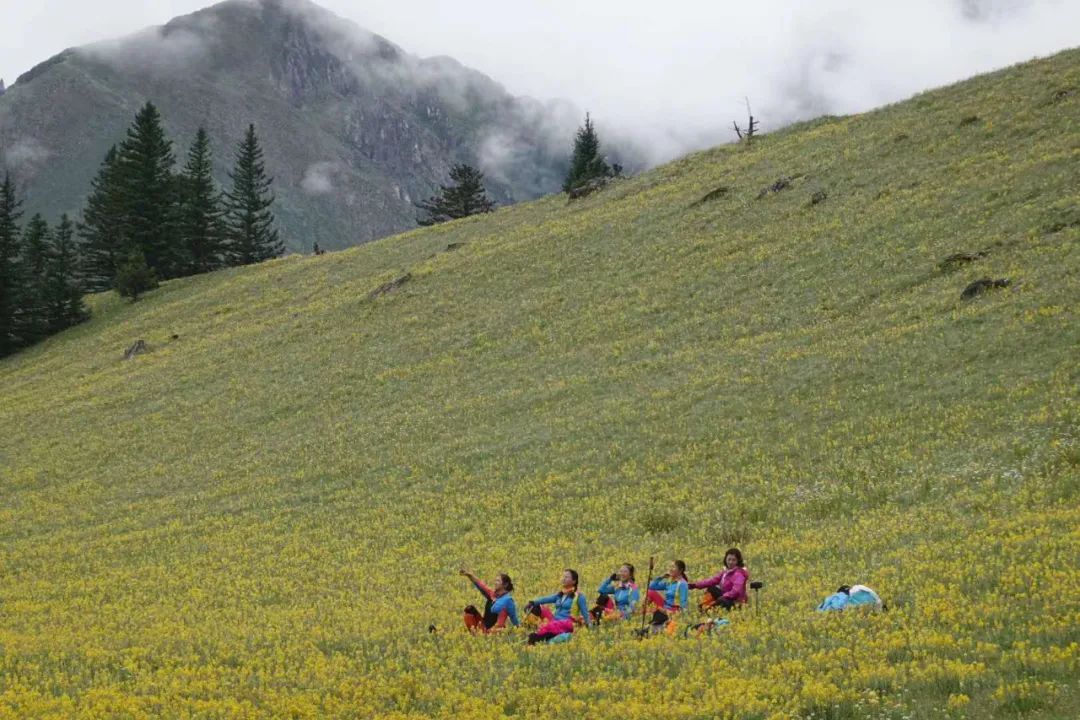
[(645, 603), (756, 586)]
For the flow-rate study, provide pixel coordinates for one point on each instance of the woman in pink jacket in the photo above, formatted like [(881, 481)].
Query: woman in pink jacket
[(727, 589)]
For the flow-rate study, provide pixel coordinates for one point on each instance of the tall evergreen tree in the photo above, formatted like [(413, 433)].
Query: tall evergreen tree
[(586, 163), (250, 232), (201, 225), (10, 269), (103, 242), (63, 290), (465, 197), (33, 318), (144, 165)]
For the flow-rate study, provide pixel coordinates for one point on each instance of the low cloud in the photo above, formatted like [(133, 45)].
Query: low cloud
[(989, 10), (319, 178), (159, 50), (669, 81), (659, 81), (24, 155), (661, 84), (845, 59)]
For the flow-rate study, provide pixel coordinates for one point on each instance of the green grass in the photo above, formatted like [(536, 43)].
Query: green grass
[(226, 524)]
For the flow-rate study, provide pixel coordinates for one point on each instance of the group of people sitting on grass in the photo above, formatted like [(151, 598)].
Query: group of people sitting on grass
[(556, 616)]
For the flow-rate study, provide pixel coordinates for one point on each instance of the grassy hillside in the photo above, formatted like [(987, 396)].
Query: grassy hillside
[(260, 517)]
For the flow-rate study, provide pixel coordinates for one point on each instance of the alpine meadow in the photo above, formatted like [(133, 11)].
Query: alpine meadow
[(779, 345)]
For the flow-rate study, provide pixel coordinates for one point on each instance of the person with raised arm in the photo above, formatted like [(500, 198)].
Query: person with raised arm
[(499, 606)]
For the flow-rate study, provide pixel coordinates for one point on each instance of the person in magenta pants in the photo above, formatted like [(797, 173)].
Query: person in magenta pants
[(727, 588), (570, 610)]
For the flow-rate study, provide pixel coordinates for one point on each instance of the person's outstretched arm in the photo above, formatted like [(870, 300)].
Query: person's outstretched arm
[(708, 582), (479, 584)]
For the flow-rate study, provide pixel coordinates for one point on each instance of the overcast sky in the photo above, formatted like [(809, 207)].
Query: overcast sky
[(648, 66)]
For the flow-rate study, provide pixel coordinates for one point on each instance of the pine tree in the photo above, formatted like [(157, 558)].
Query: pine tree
[(251, 236), (148, 192), (103, 242), (32, 322), (10, 269), (201, 226), (134, 276), (465, 197), (63, 291), (586, 163)]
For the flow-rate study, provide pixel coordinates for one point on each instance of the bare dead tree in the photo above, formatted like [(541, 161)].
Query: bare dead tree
[(751, 126)]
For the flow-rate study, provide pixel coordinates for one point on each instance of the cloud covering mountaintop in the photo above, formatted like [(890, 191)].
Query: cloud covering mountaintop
[(673, 76), (355, 129)]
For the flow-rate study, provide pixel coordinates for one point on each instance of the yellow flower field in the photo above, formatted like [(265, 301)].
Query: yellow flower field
[(262, 516)]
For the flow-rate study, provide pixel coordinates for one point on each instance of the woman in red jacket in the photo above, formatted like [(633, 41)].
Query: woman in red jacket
[(727, 589)]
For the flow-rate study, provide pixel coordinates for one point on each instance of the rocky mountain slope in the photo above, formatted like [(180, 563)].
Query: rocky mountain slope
[(355, 129)]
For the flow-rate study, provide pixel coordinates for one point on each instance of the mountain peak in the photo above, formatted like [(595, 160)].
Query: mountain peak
[(355, 129), (243, 32)]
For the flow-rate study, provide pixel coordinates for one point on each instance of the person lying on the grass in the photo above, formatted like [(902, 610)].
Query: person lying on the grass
[(619, 596), (668, 594), (570, 610), (499, 604), (728, 588), (850, 596)]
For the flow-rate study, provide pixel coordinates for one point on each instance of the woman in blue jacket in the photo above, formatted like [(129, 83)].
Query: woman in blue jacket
[(669, 594), (619, 596), (499, 606), (569, 609)]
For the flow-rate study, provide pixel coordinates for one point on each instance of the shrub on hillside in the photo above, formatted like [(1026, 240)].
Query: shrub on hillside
[(658, 520), (135, 277)]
